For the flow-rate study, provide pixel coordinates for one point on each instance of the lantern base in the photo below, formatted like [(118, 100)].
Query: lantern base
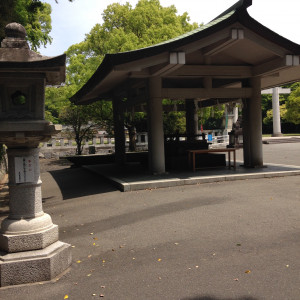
[(34, 266), (27, 234)]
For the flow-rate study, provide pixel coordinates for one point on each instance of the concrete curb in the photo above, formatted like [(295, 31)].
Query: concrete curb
[(126, 186)]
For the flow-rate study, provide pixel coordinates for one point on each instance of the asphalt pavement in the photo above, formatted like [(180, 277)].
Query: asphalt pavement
[(211, 241)]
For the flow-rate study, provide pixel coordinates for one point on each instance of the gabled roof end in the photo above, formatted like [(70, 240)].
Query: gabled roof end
[(240, 5)]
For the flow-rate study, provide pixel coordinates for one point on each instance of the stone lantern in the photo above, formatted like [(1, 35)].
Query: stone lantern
[(29, 245)]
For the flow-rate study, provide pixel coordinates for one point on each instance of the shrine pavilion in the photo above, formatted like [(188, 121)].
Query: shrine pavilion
[(230, 59)]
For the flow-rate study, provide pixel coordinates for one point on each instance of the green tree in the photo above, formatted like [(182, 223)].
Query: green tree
[(124, 28), (56, 98), (84, 121), (211, 117), (174, 122), (292, 114), (34, 15), (289, 109)]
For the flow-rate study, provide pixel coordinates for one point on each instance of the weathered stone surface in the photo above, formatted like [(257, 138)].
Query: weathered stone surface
[(34, 266), (28, 237), (15, 37), (31, 241)]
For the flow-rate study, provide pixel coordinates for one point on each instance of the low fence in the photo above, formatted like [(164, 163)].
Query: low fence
[(104, 144)]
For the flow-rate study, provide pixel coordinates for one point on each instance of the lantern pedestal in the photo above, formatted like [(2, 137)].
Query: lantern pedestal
[(29, 247), (34, 266), (28, 238)]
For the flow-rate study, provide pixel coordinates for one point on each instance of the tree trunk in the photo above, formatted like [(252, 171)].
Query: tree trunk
[(78, 146), (132, 138)]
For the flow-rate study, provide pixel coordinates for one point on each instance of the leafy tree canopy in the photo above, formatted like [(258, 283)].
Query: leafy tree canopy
[(124, 28), (293, 105), (289, 106), (34, 15)]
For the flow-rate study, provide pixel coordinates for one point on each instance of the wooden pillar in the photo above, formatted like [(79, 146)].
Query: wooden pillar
[(118, 116), (246, 134), (255, 124), (155, 127), (191, 119)]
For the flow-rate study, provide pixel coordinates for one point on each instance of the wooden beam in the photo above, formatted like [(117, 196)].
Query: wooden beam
[(206, 41), (140, 64), (236, 35), (274, 48), (176, 60), (216, 71), (276, 65), (213, 50), (202, 93), (139, 74)]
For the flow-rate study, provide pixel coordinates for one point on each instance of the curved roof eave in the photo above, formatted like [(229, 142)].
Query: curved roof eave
[(236, 13), (46, 64), (112, 60)]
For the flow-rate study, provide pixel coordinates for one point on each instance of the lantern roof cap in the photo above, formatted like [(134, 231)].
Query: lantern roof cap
[(16, 56)]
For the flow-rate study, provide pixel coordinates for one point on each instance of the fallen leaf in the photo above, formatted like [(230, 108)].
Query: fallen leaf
[(78, 261), (73, 246), (91, 233), (66, 297), (103, 261), (94, 244), (95, 238), (159, 259), (247, 271), (88, 275)]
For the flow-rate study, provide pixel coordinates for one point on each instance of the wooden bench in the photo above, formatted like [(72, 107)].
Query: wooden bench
[(192, 156)]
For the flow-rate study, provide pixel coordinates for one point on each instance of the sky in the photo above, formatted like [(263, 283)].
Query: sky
[(71, 21)]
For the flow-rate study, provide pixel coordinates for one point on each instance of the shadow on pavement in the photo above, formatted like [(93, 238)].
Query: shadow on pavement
[(77, 182), (137, 216), (214, 298)]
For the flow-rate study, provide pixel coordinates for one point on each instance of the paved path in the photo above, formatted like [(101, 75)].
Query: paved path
[(134, 176), (214, 241)]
